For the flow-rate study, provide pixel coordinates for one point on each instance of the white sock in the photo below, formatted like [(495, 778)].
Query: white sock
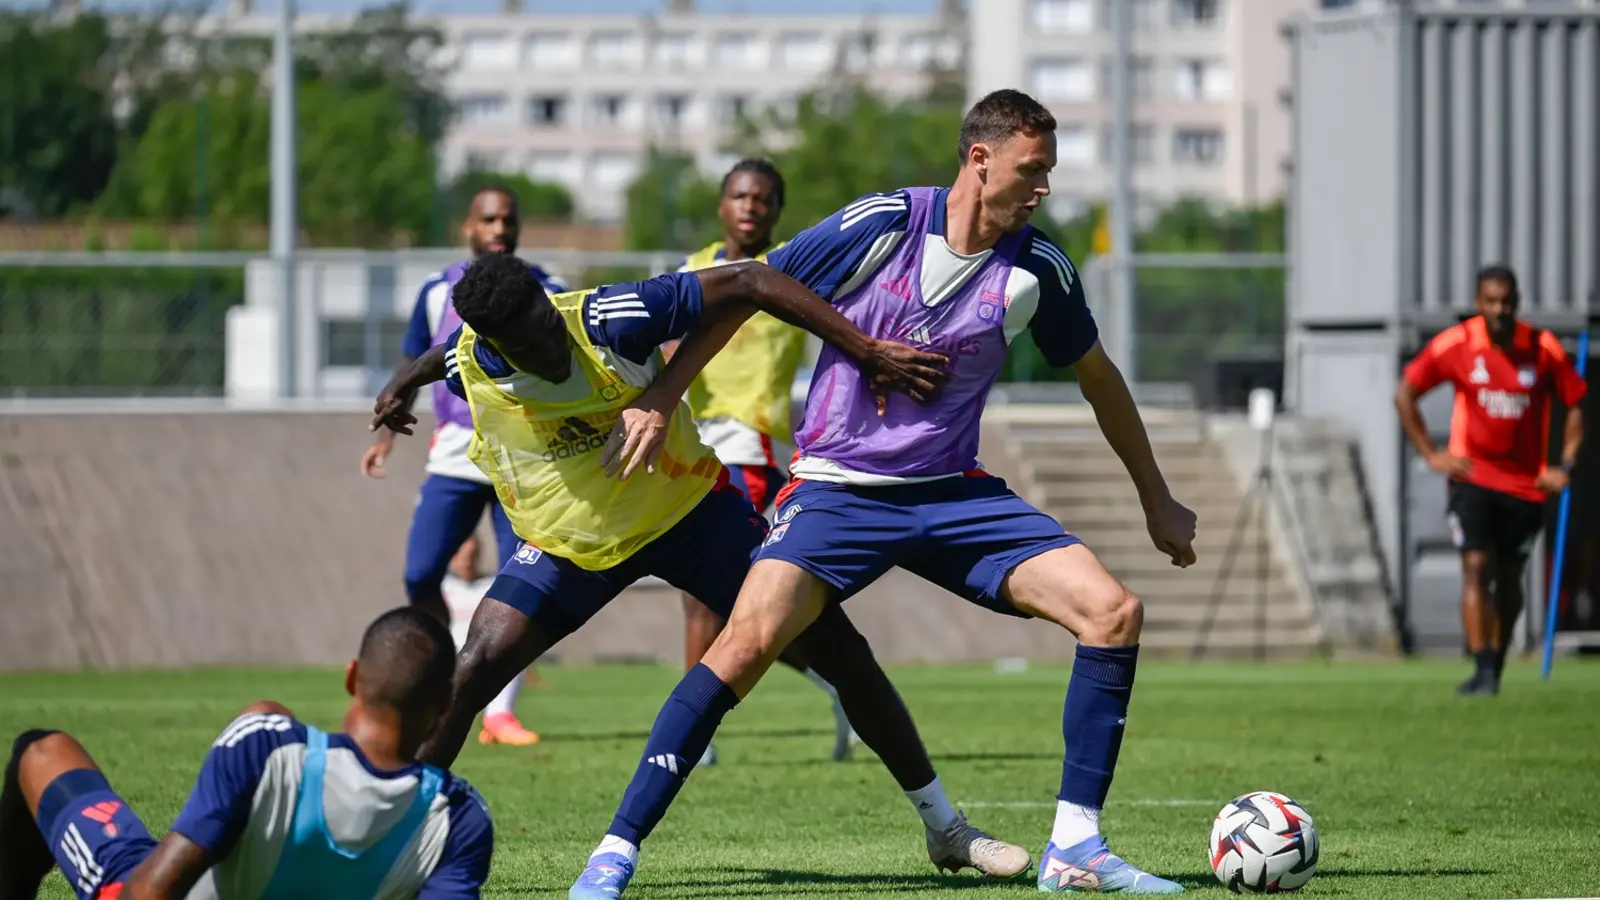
[(822, 683), (1074, 824), (932, 805), (614, 844), (506, 700)]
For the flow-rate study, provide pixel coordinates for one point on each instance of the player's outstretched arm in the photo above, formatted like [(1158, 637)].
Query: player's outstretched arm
[(393, 408), (1171, 524), (889, 365), (170, 871)]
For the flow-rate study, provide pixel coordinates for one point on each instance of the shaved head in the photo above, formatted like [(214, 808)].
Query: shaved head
[(406, 664)]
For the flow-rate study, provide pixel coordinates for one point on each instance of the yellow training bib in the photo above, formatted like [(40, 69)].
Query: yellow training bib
[(541, 444), (750, 379)]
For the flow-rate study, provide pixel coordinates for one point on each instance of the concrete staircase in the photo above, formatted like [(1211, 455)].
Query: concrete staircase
[(1073, 475)]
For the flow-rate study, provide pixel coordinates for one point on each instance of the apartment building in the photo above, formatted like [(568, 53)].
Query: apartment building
[(1210, 83), (579, 100)]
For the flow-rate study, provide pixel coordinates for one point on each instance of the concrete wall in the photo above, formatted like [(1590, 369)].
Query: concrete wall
[(169, 540)]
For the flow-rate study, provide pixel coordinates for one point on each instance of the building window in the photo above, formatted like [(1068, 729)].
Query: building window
[(731, 108), (1075, 16), (614, 49), (671, 51), (739, 52), (484, 109), (612, 171), (1196, 13), (861, 52), (1063, 79), (803, 52), (608, 110), (551, 168), (1197, 146), (488, 52), (1074, 147), (485, 161), (551, 51), (1201, 79), (547, 111), (670, 110)]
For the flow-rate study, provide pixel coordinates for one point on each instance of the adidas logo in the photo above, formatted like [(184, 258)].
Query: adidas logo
[(573, 438), (666, 761), (920, 336), (900, 287)]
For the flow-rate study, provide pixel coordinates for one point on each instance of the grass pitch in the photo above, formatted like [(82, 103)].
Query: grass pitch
[(1417, 793)]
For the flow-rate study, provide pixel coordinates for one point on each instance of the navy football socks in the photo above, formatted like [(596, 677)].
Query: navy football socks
[(1093, 719), (682, 730)]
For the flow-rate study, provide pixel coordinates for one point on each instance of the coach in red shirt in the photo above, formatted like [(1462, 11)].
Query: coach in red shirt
[(1505, 374)]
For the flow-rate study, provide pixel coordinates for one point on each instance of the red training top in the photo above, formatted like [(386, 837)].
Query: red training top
[(1502, 410)]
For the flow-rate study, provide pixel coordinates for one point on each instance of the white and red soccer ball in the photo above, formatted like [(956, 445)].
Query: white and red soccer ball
[(1263, 843)]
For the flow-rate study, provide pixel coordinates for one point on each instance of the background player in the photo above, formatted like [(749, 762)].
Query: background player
[(280, 809), (960, 272), (741, 400), (1505, 374), (455, 494), (548, 378)]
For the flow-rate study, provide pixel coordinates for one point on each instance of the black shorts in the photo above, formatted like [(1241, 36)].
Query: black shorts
[(1484, 519)]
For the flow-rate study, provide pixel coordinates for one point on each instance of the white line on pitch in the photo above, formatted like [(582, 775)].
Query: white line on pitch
[(1041, 804)]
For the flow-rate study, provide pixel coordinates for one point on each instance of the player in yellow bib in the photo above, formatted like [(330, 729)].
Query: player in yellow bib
[(741, 400), (548, 379)]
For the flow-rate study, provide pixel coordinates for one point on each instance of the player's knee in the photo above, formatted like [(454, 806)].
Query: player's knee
[(1117, 618), (42, 750), (1477, 565)]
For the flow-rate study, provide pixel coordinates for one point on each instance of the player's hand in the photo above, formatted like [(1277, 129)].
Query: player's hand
[(1171, 526), (372, 460), (1448, 465), (892, 366), (390, 410), (638, 436), (1552, 481)]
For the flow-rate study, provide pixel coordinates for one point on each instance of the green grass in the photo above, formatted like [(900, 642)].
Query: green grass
[(1417, 793)]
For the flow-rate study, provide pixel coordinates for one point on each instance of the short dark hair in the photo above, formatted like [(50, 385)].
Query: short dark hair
[(1000, 115), (1501, 273), (407, 661), (759, 166), (495, 290), (500, 189)]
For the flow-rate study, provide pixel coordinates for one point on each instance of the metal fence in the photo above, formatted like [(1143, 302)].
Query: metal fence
[(107, 325)]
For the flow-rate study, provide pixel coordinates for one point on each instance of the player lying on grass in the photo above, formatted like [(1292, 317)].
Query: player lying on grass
[(741, 400), (958, 271), (547, 380), (280, 810)]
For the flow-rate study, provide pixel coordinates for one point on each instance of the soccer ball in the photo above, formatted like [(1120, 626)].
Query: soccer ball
[(1263, 843)]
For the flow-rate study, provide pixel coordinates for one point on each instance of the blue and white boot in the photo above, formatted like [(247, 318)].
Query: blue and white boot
[(1089, 867), (604, 878)]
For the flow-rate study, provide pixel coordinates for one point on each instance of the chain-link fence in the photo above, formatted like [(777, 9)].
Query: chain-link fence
[(197, 324)]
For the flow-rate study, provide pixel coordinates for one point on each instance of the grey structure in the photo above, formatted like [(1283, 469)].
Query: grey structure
[(1430, 141)]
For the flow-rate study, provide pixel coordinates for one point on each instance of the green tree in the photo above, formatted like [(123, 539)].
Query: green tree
[(58, 136), (671, 205), (538, 200)]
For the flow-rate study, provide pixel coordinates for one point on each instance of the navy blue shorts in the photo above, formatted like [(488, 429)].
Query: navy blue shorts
[(448, 510), (96, 838), (706, 554), (963, 534)]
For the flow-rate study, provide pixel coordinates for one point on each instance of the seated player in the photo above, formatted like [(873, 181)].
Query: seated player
[(547, 379), (280, 810), (961, 271), (741, 399)]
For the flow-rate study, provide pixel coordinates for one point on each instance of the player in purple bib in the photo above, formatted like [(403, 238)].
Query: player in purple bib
[(879, 484)]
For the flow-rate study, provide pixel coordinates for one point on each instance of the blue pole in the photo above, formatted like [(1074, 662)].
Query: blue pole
[(1561, 545)]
